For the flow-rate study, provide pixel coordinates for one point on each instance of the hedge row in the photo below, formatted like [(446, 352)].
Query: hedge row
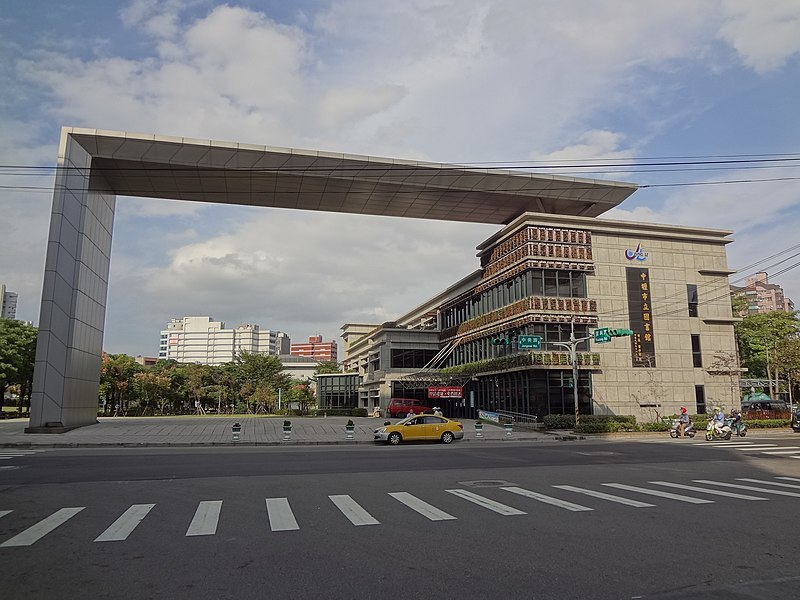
[(611, 422), (614, 423), (341, 412)]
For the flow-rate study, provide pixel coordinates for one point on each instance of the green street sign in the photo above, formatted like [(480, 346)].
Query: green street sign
[(529, 342), (619, 332), (602, 335)]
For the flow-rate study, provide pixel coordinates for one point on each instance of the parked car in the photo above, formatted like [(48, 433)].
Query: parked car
[(423, 427), (796, 421), (765, 409), (401, 407)]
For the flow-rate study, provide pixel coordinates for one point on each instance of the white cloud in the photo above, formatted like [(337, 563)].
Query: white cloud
[(766, 34)]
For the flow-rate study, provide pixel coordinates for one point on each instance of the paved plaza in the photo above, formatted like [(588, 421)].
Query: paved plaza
[(214, 430)]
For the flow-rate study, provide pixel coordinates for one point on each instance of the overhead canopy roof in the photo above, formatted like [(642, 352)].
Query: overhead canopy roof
[(203, 170)]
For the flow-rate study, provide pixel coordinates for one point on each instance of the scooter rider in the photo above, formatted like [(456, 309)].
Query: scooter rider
[(683, 422), (718, 420)]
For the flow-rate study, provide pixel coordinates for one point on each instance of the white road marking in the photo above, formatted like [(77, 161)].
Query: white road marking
[(422, 507), (604, 496), (205, 519), (547, 499), (789, 478), (3, 513), (738, 445), (781, 452), (120, 529), (42, 528), (694, 488), (353, 510), (779, 484), (281, 517), (497, 507), (659, 493), (747, 487)]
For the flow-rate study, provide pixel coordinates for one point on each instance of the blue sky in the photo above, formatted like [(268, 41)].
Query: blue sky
[(461, 81)]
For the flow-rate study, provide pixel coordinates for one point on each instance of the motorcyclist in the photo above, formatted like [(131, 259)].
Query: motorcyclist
[(718, 420), (683, 422), (737, 418)]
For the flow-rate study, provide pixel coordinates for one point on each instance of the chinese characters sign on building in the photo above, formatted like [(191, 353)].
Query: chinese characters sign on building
[(643, 346), (445, 392)]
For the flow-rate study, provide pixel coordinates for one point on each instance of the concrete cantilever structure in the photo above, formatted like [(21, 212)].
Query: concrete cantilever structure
[(95, 166)]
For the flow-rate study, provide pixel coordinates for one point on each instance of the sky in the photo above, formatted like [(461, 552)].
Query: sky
[(515, 83)]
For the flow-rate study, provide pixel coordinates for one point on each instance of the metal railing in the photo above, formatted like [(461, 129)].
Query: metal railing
[(517, 417)]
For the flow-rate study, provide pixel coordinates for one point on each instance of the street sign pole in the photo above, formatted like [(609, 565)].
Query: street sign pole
[(573, 359)]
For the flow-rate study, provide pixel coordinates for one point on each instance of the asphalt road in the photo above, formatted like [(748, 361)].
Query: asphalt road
[(471, 521)]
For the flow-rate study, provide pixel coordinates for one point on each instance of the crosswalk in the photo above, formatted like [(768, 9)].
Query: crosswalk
[(504, 500), (8, 454), (765, 448)]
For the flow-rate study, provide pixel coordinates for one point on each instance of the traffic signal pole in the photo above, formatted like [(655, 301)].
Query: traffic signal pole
[(573, 359)]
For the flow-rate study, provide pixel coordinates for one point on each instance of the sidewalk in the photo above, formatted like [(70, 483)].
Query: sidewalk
[(216, 431)]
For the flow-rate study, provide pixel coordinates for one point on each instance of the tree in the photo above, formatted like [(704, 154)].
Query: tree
[(787, 361), (757, 336), (258, 377), (327, 366), (17, 358), (739, 305), (117, 383), (154, 387), (727, 364), (301, 394)]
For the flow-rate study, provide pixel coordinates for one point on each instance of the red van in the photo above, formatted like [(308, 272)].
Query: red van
[(400, 407)]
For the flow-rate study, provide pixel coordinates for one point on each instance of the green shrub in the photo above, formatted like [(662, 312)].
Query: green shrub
[(654, 427), (768, 423), (559, 421), (341, 412), (593, 427), (628, 419)]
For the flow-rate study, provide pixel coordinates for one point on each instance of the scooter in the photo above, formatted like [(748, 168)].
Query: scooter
[(711, 433), (675, 431), (737, 425)]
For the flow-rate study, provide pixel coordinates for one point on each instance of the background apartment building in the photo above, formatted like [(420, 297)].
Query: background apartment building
[(205, 341), (316, 349), (762, 296), (8, 303)]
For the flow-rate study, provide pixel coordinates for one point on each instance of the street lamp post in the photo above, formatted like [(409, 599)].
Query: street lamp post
[(571, 346)]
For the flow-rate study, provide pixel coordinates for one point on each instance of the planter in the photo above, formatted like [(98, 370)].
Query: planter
[(478, 430), (509, 429), (287, 430), (349, 431)]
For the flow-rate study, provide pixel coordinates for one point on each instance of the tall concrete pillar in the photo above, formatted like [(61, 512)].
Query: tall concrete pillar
[(72, 317)]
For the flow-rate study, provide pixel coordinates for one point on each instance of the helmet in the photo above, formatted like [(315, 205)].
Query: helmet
[(683, 409), (717, 409)]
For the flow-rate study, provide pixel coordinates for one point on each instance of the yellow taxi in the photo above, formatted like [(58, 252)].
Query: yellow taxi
[(420, 427)]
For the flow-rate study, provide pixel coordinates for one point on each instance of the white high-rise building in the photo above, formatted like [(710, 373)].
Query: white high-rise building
[(8, 303), (205, 341)]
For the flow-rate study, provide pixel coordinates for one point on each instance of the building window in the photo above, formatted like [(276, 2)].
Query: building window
[(411, 359), (697, 357), (700, 399), (691, 292)]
